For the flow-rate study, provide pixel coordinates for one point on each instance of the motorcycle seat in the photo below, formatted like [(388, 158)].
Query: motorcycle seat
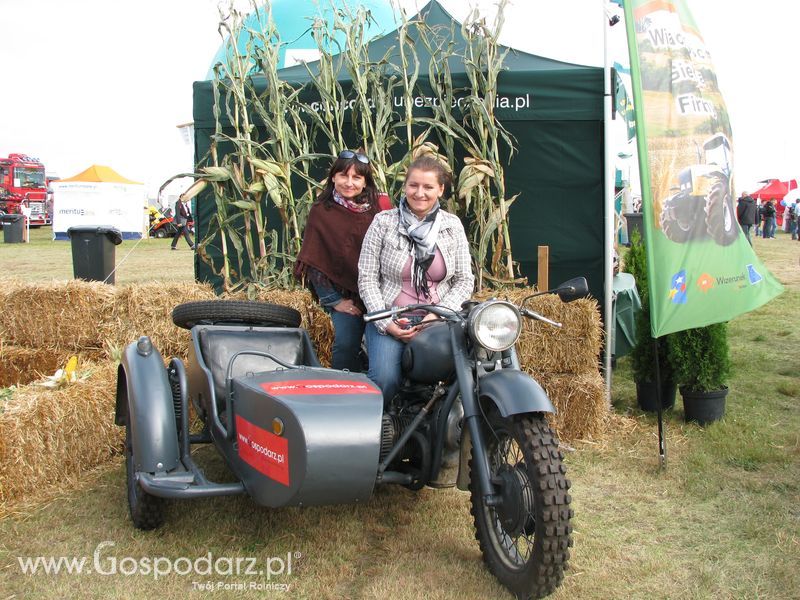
[(218, 346)]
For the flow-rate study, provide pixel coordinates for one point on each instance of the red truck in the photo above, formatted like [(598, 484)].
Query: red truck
[(22, 183)]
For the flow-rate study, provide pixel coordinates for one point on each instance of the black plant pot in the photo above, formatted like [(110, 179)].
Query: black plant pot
[(703, 407), (647, 398)]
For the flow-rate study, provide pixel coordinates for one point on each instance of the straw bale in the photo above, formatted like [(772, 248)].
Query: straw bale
[(580, 401), (146, 309), (573, 348), (61, 316), (49, 437), (19, 365)]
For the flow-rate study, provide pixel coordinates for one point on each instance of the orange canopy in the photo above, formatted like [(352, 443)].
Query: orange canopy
[(99, 173)]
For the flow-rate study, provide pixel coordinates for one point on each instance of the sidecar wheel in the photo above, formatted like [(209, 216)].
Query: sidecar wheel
[(146, 510), (525, 540), (210, 312)]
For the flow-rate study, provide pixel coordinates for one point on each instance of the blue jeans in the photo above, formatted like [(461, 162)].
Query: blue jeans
[(347, 333), (385, 353), (769, 227)]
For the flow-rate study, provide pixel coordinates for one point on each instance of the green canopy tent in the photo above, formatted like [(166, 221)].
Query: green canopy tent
[(553, 109)]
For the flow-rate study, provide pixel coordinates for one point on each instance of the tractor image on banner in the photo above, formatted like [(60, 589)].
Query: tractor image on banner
[(702, 270)]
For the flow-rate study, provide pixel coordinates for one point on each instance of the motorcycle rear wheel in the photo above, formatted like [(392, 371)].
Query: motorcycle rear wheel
[(524, 541)]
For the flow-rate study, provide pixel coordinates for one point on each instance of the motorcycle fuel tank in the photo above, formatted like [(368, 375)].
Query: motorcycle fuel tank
[(307, 436), (428, 357)]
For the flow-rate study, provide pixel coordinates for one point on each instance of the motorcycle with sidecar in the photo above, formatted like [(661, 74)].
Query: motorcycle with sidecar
[(297, 434)]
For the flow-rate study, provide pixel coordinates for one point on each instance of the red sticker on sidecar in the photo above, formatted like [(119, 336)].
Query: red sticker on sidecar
[(318, 387), (266, 452)]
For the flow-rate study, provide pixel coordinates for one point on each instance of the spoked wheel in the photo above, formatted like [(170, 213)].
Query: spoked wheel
[(147, 511), (525, 540)]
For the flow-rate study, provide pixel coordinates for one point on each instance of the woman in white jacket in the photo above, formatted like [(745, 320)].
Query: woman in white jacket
[(414, 254)]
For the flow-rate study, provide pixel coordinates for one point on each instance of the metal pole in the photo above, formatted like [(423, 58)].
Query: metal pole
[(608, 206), (662, 440)]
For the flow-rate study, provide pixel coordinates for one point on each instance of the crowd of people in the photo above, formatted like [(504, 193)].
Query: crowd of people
[(760, 218)]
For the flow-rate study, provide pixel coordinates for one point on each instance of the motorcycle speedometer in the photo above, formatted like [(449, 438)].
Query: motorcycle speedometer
[(495, 325)]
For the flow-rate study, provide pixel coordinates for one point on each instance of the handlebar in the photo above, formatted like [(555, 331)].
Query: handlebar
[(534, 315), (439, 311), (446, 313)]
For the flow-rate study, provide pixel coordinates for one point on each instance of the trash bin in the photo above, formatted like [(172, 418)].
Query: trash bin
[(13, 229), (93, 252), (635, 222)]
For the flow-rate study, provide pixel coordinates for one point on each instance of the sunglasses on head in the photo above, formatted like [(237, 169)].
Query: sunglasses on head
[(347, 154)]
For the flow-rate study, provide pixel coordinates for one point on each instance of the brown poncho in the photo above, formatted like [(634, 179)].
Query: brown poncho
[(332, 244)]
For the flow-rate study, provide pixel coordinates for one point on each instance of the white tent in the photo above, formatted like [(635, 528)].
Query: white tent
[(99, 197)]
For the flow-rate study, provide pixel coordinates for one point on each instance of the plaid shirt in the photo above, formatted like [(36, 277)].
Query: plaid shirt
[(385, 252)]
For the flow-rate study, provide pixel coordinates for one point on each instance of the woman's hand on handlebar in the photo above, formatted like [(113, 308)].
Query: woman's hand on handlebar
[(405, 328), (398, 330)]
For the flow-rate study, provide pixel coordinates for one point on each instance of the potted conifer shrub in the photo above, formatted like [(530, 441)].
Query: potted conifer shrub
[(643, 356), (701, 365)]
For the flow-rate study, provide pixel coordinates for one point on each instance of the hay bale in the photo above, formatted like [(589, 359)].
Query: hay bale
[(580, 401), (49, 437), (146, 309), (20, 366), (62, 316), (573, 348)]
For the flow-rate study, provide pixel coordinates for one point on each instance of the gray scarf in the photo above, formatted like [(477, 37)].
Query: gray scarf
[(423, 235)]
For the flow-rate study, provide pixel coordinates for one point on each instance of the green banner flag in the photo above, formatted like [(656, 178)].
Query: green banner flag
[(701, 268)]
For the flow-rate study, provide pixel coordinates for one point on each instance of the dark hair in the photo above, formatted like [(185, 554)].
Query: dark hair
[(429, 163), (342, 165)]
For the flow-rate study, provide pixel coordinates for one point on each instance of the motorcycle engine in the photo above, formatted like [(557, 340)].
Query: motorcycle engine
[(392, 428)]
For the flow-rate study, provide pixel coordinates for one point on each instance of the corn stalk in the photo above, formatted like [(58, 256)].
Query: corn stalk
[(484, 179), (374, 85), (267, 144)]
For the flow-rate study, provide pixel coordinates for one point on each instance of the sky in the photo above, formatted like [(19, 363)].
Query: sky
[(107, 82)]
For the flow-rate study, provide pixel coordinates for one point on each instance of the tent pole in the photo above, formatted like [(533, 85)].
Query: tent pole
[(608, 207)]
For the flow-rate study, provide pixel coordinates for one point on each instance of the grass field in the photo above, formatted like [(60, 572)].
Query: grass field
[(722, 521), (137, 260)]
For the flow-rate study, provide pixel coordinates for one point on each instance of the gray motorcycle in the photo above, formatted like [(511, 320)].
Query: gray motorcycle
[(297, 434)]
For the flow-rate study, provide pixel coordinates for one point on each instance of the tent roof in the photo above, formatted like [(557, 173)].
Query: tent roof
[(552, 90), (775, 189), (100, 173), (437, 18)]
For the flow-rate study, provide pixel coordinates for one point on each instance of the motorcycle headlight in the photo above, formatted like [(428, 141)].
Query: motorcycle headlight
[(495, 325)]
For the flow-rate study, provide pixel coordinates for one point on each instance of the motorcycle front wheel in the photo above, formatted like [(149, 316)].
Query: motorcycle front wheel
[(525, 539)]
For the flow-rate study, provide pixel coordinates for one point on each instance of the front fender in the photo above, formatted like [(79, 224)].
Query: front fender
[(143, 391), (514, 392)]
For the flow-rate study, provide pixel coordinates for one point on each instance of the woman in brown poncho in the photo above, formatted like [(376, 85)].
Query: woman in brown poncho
[(328, 259)]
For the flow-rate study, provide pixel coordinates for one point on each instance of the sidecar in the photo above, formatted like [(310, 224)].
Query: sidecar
[(292, 432)]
